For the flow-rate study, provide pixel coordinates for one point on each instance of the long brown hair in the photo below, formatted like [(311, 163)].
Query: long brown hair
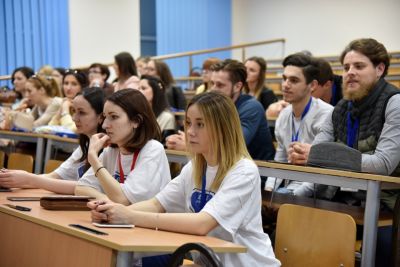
[(136, 106)]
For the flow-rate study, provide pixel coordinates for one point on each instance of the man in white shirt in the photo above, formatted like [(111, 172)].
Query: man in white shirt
[(302, 119)]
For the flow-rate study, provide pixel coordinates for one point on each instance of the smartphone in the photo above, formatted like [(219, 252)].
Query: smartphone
[(111, 225), (23, 198)]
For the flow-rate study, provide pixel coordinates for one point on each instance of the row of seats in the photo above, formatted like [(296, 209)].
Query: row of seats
[(19, 161)]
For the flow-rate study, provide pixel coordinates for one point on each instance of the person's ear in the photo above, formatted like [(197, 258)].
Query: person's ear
[(237, 87), (380, 69)]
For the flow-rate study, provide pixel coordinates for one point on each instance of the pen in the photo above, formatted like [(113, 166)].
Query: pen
[(21, 208)]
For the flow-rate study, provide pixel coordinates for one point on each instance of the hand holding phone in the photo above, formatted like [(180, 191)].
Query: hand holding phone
[(112, 225)]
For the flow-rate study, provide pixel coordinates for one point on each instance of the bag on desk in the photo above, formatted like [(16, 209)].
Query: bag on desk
[(65, 202)]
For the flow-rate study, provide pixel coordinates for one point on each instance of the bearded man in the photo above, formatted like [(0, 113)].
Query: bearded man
[(368, 116)]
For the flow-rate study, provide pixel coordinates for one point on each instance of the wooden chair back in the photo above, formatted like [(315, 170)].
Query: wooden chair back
[(314, 237), (19, 161), (2, 158), (51, 165)]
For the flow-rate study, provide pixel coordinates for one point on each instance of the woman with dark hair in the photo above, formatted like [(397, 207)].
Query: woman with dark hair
[(135, 166), (125, 69), (88, 118), (73, 83), (256, 68), (175, 97), (19, 77), (153, 89)]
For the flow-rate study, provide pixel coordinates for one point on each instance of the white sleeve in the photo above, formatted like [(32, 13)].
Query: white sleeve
[(150, 175), (68, 170), (235, 197), (326, 133), (173, 197), (386, 156)]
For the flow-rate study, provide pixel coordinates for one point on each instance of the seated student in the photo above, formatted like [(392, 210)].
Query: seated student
[(217, 192), (125, 69), (153, 89), (175, 97), (46, 72), (98, 75), (88, 118), (73, 83), (302, 119), (135, 167), (39, 92), (141, 64), (329, 89), (256, 68), (206, 74), (18, 79)]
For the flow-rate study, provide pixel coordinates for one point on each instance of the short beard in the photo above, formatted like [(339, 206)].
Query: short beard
[(363, 91)]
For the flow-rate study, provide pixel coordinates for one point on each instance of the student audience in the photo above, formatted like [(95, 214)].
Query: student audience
[(134, 167), (217, 192), (302, 119), (176, 99), (256, 68), (153, 89), (125, 68), (73, 83), (98, 75), (206, 74), (41, 94), (88, 118)]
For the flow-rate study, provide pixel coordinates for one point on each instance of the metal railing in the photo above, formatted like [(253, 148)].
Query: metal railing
[(190, 54)]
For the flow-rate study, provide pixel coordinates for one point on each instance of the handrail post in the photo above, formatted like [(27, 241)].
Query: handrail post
[(243, 54)]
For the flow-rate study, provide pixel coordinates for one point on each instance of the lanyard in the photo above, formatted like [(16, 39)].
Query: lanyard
[(295, 134), (352, 128), (203, 198), (121, 170)]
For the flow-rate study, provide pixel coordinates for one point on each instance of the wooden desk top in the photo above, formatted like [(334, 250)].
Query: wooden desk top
[(26, 134), (136, 239), (357, 175)]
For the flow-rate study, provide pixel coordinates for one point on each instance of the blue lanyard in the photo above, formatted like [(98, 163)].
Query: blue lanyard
[(295, 135), (333, 99), (352, 128), (203, 198)]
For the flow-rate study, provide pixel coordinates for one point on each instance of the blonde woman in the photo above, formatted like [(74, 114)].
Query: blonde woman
[(216, 194)]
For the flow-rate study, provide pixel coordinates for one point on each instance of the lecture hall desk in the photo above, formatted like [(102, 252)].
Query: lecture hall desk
[(43, 238)]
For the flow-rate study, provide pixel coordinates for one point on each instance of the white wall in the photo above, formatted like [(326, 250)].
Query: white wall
[(324, 27), (99, 29)]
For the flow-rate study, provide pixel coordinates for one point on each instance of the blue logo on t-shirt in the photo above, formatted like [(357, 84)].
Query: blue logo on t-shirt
[(195, 199), (81, 170)]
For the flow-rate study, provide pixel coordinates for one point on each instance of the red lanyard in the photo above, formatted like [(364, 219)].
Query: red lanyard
[(121, 170)]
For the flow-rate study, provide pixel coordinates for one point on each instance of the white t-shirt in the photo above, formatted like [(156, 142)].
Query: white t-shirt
[(150, 174), (166, 121), (72, 168), (307, 128), (236, 206)]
